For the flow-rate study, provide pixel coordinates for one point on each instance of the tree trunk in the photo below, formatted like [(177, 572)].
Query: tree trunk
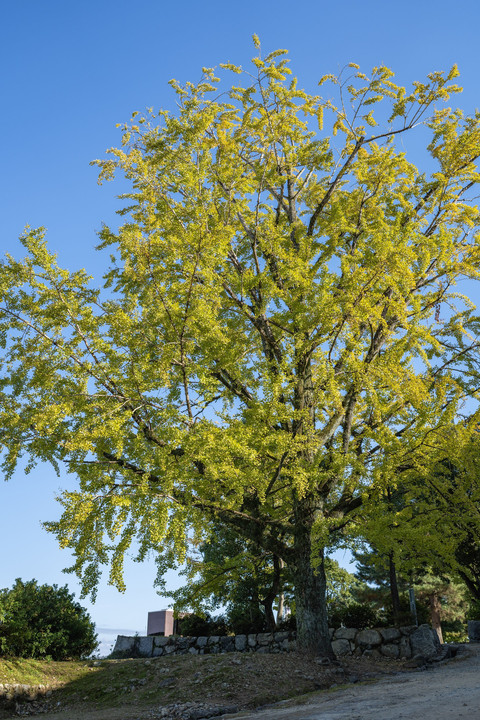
[(394, 588), (273, 591), (281, 596), (313, 636), (435, 610), (281, 605), (269, 616)]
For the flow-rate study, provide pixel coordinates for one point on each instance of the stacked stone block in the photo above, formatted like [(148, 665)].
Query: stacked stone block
[(392, 643), (395, 643), (214, 645)]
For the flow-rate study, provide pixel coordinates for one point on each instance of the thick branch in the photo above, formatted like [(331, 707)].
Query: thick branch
[(333, 185), (264, 531)]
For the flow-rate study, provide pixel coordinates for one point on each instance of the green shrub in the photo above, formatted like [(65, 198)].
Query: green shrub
[(245, 618), (356, 615), (195, 625), (44, 621), (459, 636), (474, 609)]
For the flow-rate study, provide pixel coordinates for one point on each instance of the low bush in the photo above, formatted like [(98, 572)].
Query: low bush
[(356, 615), (195, 625), (246, 618), (38, 621)]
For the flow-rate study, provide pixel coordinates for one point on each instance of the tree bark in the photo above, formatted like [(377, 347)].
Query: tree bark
[(394, 588), (269, 616), (435, 617), (281, 597), (281, 605), (313, 636), (274, 589)]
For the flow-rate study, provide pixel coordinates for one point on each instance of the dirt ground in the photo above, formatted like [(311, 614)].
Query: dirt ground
[(249, 687), (448, 691)]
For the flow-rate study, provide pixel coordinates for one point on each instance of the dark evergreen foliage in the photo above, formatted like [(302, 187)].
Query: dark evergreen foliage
[(44, 621)]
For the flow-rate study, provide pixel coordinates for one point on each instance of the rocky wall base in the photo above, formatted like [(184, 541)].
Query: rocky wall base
[(157, 646), (387, 642), (16, 691), (394, 643)]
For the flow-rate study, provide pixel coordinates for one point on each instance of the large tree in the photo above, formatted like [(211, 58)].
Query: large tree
[(267, 350)]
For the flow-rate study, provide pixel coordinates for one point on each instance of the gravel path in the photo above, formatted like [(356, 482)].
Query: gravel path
[(449, 691)]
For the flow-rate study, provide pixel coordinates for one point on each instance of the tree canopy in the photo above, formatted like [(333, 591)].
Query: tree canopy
[(432, 521), (279, 336)]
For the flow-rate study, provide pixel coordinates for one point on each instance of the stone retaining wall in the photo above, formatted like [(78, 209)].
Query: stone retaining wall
[(388, 642), (402, 642), (178, 645), (12, 691)]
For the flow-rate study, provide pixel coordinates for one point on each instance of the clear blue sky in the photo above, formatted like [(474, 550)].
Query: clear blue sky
[(72, 70)]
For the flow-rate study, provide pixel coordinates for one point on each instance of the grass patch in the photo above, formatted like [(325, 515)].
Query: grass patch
[(40, 672), (123, 687)]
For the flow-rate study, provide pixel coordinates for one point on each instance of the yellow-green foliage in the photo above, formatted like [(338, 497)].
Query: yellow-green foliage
[(431, 518), (279, 332)]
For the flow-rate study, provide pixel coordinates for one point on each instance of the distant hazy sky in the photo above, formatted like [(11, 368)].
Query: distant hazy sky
[(71, 70)]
